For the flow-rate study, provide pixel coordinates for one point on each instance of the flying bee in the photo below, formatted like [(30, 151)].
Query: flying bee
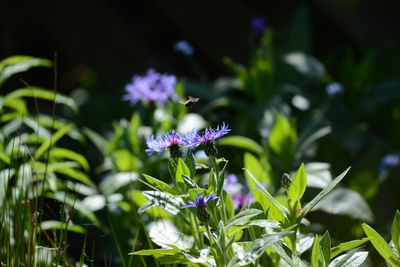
[(189, 103)]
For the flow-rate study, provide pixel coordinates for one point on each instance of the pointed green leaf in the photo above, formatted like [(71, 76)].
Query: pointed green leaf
[(297, 188), (396, 231), (260, 171), (316, 255), (180, 170), (323, 193), (380, 245), (347, 246), (242, 217), (287, 255), (170, 203), (189, 182), (160, 184), (256, 249), (325, 244)]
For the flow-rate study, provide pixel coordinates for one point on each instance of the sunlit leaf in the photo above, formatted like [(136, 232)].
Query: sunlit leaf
[(164, 233), (256, 249), (287, 255), (168, 202), (260, 171), (241, 142), (69, 154), (351, 259), (56, 136), (242, 217), (50, 225), (115, 181), (160, 184), (396, 231), (347, 246), (297, 188)]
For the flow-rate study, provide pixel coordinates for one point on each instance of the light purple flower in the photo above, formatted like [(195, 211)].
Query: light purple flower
[(184, 47), (152, 87), (200, 202), (239, 193), (390, 160), (171, 140), (194, 139), (258, 25), (334, 88)]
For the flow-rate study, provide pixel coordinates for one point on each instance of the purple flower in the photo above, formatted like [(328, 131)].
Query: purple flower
[(152, 87), (390, 160), (258, 25), (193, 139), (334, 88), (171, 140), (200, 202), (184, 47)]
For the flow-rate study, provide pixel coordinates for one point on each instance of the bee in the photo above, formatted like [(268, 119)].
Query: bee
[(189, 103)]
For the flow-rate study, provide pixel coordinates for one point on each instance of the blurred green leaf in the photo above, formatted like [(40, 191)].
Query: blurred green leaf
[(156, 212), (99, 141), (164, 233), (75, 174), (306, 65), (256, 249), (50, 225), (151, 252), (241, 142), (344, 201), (261, 171), (37, 92), (396, 232), (282, 140), (17, 64), (181, 169), (114, 182), (324, 192), (56, 136), (57, 152), (380, 245), (297, 188), (318, 174), (306, 140), (347, 246)]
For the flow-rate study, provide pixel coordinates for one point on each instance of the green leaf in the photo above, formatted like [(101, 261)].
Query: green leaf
[(283, 210), (99, 141), (212, 182), (297, 188), (164, 233), (181, 169), (151, 252), (325, 244), (69, 154), (115, 181), (282, 140), (189, 182), (346, 202), (56, 136), (396, 232), (305, 141), (168, 202), (75, 174), (324, 192), (316, 255), (191, 163), (160, 184), (256, 249), (155, 212), (347, 246), (17, 64), (202, 257), (261, 171), (306, 65), (287, 255), (380, 245), (49, 225), (351, 259), (241, 142), (40, 93), (242, 217)]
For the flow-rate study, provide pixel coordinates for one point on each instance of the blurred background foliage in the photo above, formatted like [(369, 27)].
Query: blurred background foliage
[(270, 88)]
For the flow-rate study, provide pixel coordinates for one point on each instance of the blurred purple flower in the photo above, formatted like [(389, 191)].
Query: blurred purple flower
[(239, 193), (184, 47), (258, 25), (152, 87), (200, 202), (334, 88), (171, 140), (194, 139), (390, 160)]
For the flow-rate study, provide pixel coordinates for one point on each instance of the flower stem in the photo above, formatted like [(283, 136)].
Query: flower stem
[(214, 251), (222, 207)]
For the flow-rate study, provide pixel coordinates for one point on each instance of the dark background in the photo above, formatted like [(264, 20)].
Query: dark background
[(101, 44)]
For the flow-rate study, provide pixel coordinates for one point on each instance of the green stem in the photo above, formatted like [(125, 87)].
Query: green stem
[(213, 251), (222, 207), (195, 230)]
